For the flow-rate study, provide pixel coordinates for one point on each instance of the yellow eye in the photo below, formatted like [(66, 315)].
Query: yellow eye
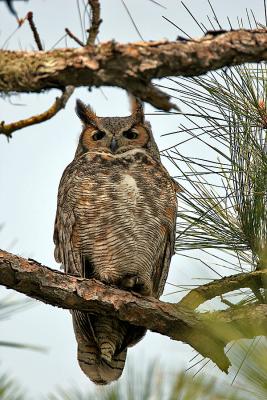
[(130, 134), (98, 135)]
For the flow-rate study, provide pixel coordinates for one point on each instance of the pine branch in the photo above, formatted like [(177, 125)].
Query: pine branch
[(130, 66), (253, 280), (208, 333)]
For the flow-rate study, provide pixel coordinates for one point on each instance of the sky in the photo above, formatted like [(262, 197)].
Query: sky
[(32, 163)]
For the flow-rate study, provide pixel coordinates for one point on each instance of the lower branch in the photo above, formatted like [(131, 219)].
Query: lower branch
[(208, 333), (59, 104)]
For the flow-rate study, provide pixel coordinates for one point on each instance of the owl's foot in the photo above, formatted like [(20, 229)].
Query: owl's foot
[(135, 284)]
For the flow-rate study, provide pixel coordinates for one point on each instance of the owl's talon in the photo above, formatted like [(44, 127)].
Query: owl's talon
[(142, 289), (129, 281), (135, 285)]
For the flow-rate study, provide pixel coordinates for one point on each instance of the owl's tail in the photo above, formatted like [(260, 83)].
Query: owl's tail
[(98, 340)]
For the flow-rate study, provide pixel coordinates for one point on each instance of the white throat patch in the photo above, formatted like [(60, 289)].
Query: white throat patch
[(130, 187)]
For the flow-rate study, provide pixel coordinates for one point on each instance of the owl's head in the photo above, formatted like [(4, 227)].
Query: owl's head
[(115, 134)]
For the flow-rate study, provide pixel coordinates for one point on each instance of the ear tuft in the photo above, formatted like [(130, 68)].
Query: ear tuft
[(137, 108), (85, 113)]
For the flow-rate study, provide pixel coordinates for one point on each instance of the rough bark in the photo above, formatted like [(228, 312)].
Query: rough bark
[(130, 66), (208, 333)]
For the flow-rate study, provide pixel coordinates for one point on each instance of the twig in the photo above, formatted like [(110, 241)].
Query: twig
[(94, 28), (95, 22), (34, 31), (59, 104), (77, 40)]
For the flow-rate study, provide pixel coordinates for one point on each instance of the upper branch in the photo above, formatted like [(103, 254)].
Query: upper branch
[(208, 333), (130, 66)]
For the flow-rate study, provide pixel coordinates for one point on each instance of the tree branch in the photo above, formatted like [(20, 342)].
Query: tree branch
[(59, 104), (130, 66), (95, 22), (208, 333), (252, 280)]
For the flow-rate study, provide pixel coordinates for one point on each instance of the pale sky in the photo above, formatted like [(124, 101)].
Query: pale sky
[(32, 163)]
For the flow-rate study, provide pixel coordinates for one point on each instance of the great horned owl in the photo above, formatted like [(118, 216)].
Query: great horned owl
[(115, 222)]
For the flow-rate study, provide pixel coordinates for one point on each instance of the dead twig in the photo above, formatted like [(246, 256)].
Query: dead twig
[(59, 104), (72, 36), (34, 31), (95, 22)]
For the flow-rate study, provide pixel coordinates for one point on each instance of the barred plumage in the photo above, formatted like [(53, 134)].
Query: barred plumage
[(115, 222)]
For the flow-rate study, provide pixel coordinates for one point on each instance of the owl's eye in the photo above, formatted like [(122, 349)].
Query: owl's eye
[(98, 135), (130, 134)]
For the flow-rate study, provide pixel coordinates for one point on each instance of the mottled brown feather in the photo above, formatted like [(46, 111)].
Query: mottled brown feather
[(115, 222)]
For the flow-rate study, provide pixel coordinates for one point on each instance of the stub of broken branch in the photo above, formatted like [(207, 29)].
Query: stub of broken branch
[(59, 104), (208, 333), (34, 30), (74, 37)]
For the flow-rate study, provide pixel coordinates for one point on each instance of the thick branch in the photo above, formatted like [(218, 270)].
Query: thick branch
[(208, 333), (129, 66)]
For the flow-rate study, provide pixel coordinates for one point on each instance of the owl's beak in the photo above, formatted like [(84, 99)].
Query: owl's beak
[(113, 145)]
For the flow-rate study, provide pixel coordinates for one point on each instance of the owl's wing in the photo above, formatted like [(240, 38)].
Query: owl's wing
[(162, 267), (65, 234), (95, 335), (167, 250)]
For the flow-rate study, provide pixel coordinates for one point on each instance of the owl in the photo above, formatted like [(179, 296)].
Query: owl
[(115, 222)]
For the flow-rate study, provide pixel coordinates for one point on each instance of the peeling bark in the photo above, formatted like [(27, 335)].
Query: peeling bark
[(208, 333), (130, 66)]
